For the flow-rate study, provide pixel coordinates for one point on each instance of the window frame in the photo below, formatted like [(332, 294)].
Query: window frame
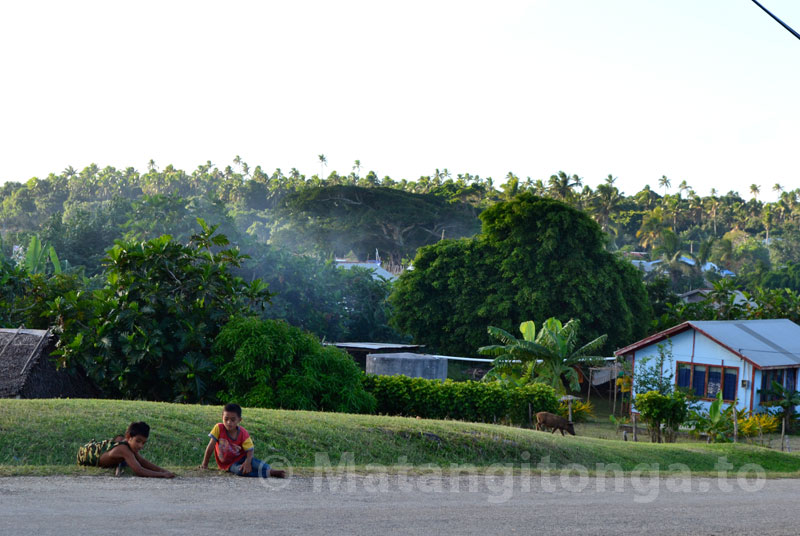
[(707, 366)]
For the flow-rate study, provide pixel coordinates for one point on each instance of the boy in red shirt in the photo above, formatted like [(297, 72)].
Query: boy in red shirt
[(233, 448)]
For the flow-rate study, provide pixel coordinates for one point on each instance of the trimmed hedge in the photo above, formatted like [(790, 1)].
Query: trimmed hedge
[(466, 401)]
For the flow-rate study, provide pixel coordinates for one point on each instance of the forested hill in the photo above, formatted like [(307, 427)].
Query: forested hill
[(80, 213)]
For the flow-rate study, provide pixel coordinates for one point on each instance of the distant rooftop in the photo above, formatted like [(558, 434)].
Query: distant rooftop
[(375, 266), (373, 345)]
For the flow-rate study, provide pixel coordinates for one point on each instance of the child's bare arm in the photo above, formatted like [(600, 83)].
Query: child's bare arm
[(207, 455), (132, 459), (149, 465)]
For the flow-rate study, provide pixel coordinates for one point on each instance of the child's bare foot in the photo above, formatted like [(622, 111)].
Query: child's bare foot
[(277, 473)]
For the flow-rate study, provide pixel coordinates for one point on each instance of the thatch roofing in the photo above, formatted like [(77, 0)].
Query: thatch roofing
[(27, 372)]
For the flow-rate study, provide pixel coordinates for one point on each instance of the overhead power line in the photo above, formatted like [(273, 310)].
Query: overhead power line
[(767, 11)]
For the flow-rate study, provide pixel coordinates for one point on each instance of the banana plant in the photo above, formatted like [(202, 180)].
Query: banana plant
[(717, 423), (544, 356), (36, 257)]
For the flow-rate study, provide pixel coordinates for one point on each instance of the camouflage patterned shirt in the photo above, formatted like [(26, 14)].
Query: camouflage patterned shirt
[(89, 454)]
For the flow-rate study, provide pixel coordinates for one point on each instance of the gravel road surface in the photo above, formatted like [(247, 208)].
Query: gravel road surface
[(397, 504)]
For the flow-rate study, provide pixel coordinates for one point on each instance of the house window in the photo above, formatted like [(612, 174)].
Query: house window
[(705, 381), (699, 381), (684, 375), (791, 379), (714, 381), (785, 377), (729, 383)]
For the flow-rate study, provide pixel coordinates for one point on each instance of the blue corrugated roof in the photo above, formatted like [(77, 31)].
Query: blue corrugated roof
[(767, 343)]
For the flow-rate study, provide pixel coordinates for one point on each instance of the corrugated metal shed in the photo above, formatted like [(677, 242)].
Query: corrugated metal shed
[(767, 343), (374, 346), (359, 350)]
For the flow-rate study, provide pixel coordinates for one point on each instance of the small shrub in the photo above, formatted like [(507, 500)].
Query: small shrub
[(581, 411), (619, 421), (270, 364), (656, 409), (716, 422), (758, 424)]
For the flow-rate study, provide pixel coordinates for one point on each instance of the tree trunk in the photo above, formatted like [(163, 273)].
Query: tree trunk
[(783, 431)]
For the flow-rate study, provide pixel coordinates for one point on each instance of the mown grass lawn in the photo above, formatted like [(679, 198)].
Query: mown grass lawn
[(42, 437)]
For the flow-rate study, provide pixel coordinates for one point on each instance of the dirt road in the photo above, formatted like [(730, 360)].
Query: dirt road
[(394, 504)]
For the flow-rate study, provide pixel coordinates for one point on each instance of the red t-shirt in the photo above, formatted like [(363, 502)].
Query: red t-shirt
[(227, 450)]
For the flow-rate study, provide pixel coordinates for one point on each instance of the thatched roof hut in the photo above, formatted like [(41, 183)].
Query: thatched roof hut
[(27, 372)]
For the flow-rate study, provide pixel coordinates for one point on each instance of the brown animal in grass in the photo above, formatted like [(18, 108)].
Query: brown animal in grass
[(546, 420)]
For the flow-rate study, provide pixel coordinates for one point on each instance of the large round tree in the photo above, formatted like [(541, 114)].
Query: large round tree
[(535, 258)]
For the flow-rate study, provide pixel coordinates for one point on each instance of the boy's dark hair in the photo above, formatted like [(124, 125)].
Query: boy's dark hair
[(139, 428), (234, 408)]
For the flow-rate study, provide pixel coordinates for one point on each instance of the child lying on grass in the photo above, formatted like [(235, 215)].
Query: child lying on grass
[(122, 451), (233, 448)]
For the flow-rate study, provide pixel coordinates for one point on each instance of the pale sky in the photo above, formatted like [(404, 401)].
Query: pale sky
[(706, 91)]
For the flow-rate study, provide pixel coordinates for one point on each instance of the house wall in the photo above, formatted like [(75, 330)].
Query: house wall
[(692, 347)]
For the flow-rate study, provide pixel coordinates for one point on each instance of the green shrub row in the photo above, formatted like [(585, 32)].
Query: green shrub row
[(467, 401)]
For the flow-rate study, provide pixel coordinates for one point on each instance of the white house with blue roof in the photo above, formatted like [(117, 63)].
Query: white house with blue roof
[(740, 358)]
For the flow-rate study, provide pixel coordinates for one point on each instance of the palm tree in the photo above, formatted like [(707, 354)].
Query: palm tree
[(549, 356), (646, 198), (696, 208), (322, 163), (511, 186), (766, 219), (606, 202), (777, 188), (723, 252), (704, 252), (672, 205), (649, 234), (357, 167), (713, 205), (755, 190), (665, 183), (561, 185), (673, 258)]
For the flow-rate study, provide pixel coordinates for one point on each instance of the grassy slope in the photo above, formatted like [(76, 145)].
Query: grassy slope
[(42, 437)]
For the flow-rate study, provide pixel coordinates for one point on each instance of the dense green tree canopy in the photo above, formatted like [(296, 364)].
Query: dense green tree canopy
[(341, 219), (148, 332), (535, 258), (80, 212)]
